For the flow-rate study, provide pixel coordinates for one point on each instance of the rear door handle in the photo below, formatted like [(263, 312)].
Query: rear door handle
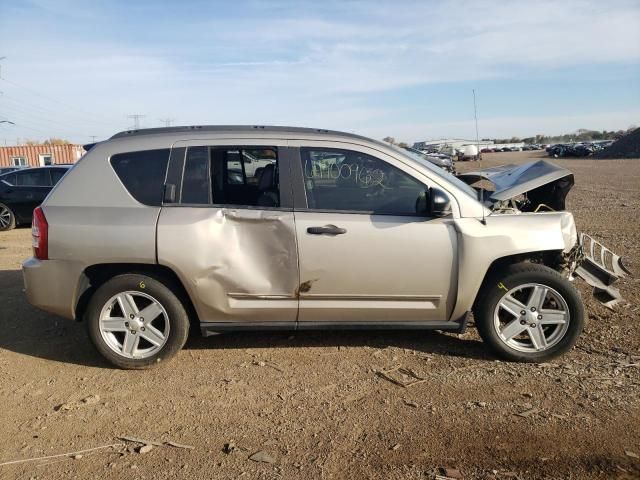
[(326, 230)]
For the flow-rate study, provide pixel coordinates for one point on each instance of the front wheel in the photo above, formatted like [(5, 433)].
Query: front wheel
[(136, 321), (529, 313)]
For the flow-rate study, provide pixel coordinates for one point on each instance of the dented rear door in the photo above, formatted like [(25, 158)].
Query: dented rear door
[(238, 262)]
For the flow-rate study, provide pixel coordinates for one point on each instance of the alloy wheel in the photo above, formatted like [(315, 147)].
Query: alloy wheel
[(5, 217), (134, 324), (531, 318)]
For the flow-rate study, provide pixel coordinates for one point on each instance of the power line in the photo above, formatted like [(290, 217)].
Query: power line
[(136, 120), (167, 121), (51, 99)]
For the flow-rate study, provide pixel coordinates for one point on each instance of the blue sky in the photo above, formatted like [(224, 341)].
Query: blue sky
[(401, 68)]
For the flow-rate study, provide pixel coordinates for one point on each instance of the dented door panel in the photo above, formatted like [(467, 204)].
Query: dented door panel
[(238, 265)]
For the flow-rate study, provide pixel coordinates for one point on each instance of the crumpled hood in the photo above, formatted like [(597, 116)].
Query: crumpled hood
[(543, 182)]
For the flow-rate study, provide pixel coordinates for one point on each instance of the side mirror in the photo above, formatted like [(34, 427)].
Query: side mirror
[(439, 203)]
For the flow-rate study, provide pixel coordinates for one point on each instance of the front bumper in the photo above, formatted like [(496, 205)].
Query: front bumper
[(51, 285), (600, 268)]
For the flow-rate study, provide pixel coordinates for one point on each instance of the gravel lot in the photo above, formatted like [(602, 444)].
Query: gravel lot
[(314, 402)]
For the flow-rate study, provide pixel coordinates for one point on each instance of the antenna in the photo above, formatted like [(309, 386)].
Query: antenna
[(136, 120), (475, 115)]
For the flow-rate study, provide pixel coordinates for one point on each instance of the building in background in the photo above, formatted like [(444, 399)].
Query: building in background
[(39, 155)]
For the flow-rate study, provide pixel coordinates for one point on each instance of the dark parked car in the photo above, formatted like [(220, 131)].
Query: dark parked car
[(23, 190)]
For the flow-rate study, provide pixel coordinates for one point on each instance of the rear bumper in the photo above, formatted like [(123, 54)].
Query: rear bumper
[(51, 285)]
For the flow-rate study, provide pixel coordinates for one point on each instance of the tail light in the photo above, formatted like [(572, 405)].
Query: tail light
[(40, 235)]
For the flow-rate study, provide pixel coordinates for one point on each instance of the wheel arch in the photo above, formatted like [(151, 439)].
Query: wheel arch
[(549, 258), (96, 275)]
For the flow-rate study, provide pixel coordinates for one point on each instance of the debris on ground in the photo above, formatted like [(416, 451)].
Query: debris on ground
[(179, 445), (141, 440), (403, 377), (145, 448), (229, 448), (527, 413), (59, 455), (90, 400), (447, 473), (262, 457)]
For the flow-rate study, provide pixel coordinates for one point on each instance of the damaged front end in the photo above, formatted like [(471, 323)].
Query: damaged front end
[(599, 267), (542, 186)]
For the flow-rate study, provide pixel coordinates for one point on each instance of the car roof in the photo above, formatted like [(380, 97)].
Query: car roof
[(65, 166), (241, 129)]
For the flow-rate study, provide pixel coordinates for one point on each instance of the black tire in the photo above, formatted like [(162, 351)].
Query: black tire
[(10, 221), (177, 317), (511, 277)]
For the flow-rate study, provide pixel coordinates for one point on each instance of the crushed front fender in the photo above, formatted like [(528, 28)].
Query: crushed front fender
[(600, 268)]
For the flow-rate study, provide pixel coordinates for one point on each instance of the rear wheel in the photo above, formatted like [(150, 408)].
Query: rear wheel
[(136, 321), (529, 313), (7, 218)]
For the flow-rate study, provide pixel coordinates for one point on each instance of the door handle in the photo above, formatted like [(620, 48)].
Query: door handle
[(326, 230)]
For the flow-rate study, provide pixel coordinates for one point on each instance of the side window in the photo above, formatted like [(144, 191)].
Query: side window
[(195, 177), (245, 177), (57, 174), (354, 181), (32, 178), (143, 173), (10, 179)]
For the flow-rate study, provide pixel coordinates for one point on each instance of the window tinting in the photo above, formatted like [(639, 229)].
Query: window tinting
[(354, 181), (33, 178), (195, 180), (143, 173), (56, 174), (10, 179)]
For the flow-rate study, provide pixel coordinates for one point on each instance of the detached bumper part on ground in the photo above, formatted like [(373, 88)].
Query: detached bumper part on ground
[(600, 268)]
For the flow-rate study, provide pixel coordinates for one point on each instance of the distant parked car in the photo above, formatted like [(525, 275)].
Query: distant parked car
[(4, 170), (23, 190), (440, 159)]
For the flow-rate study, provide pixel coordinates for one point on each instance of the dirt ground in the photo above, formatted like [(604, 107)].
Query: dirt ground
[(313, 401)]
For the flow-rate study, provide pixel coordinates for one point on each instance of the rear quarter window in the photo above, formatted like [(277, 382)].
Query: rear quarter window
[(143, 173)]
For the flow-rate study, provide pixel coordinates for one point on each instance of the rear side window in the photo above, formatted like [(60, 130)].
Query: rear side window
[(32, 178), (57, 174), (231, 176), (195, 179), (143, 173), (10, 179)]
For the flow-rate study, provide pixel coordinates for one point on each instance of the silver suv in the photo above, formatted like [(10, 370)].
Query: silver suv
[(156, 231)]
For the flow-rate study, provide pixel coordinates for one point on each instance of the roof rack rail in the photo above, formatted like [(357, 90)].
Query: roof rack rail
[(230, 128)]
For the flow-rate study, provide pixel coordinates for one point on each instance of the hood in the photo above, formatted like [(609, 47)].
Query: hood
[(542, 182)]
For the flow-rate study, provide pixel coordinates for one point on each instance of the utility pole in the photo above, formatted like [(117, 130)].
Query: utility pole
[(93, 138), (136, 120), (167, 121)]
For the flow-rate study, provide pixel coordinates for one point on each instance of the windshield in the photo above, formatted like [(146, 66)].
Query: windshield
[(449, 177)]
